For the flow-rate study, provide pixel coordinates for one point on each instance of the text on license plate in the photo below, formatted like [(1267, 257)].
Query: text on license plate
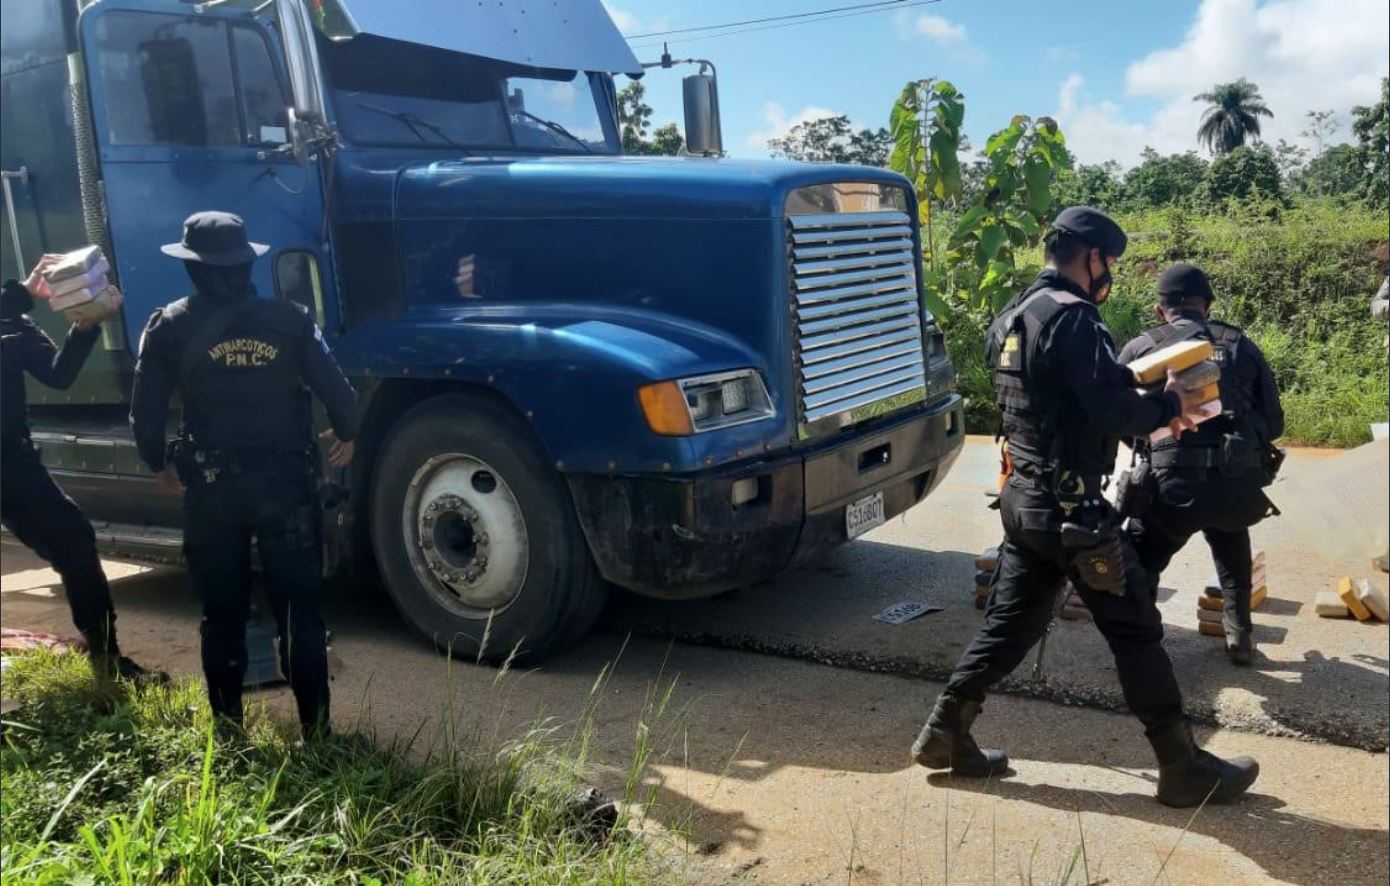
[(865, 514)]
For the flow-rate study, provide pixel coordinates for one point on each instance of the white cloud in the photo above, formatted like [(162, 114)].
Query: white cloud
[(944, 33), (627, 22), (1302, 54), (936, 28), (776, 123)]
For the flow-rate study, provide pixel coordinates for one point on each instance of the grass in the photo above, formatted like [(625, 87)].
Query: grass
[(135, 789)]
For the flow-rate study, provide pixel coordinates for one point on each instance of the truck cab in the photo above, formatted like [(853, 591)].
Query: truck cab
[(577, 369)]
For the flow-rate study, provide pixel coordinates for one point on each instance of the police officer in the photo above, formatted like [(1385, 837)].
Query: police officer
[(245, 456), (34, 508), (1065, 402), (1211, 479)]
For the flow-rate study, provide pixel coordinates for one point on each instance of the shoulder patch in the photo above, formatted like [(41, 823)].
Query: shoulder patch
[(1062, 297)]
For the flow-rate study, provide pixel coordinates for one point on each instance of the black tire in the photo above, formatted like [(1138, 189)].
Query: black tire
[(557, 593)]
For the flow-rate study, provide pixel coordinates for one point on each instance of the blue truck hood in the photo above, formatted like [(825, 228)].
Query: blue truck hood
[(690, 188)]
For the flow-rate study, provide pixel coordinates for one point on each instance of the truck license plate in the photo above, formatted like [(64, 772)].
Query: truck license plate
[(865, 514)]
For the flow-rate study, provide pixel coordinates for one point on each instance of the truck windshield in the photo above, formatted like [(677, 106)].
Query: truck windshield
[(390, 93)]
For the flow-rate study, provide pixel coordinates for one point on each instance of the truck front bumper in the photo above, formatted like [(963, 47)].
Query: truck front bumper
[(682, 537)]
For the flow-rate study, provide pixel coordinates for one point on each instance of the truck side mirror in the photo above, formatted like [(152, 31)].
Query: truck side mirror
[(301, 59), (702, 130)]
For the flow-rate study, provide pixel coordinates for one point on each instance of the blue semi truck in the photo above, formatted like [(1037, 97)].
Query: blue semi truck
[(577, 369)]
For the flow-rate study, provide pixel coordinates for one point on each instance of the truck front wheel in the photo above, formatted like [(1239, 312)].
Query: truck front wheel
[(475, 534)]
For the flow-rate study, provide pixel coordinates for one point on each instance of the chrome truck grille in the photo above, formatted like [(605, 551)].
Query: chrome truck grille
[(858, 319)]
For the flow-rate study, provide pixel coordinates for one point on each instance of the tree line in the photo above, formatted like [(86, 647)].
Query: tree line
[(1241, 165)]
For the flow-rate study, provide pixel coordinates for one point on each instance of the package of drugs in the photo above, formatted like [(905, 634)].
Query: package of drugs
[(73, 264), (1154, 367), (1372, 599), (1205, 412), (1210, 629), (1329, 605), (1206, 393), (1348, 592), (1209, 615), (102, 305), (1214, 603), (985, 562), (1199, 376), (69, 300), (94, 279)]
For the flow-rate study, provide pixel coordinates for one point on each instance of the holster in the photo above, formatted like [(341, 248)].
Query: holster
[(1241, 457), (1135, 490), (1095, 554), (1273, 462)]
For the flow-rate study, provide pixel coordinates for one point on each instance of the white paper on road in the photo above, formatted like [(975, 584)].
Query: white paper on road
[(905, 611), (1341, 506)]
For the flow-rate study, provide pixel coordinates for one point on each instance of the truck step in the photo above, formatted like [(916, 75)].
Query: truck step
[(147, 544)]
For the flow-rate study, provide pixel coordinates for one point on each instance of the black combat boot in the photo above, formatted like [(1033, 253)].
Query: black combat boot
[(945, 742), (1235, 619), (1188, 775)]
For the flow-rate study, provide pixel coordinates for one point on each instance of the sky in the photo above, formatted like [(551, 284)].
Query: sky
[(1118, 76)]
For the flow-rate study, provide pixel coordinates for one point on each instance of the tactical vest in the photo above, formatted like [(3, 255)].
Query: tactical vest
[(241, 371), (1238, 414), (1046, 431)]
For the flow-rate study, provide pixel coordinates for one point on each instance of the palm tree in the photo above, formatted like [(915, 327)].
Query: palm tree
[(1233, 115)]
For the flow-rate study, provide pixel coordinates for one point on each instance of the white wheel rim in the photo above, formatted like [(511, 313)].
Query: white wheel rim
[(465, 535)]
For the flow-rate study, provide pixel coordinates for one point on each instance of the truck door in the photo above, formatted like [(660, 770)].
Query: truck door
[(189, 111)]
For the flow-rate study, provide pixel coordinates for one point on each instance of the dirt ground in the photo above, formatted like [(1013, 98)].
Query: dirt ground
[(774, 770)]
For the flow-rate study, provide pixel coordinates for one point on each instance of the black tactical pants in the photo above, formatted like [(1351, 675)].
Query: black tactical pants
[(1031, 570), (1192, 500), (276, 505), (42, 517)]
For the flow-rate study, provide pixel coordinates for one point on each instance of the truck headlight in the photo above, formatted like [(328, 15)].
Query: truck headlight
[(685, 406)]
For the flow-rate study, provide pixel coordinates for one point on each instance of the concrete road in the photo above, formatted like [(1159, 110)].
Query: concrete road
[(1313, 677), (771, 770), (791, 767)]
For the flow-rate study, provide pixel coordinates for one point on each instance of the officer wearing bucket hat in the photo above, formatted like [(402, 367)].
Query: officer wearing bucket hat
[(1065, 402), (245, 460), (1212, 479)]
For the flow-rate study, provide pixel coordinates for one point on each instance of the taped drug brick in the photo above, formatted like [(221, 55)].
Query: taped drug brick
[(1200, 376), (1372, 599), (1211, 629), (1347, 591), (73, 264), (1328, 605), (1213, 616), (1154, 367)]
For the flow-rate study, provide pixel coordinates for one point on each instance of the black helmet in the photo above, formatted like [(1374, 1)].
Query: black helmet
[(1093, 227), (1183, 281)]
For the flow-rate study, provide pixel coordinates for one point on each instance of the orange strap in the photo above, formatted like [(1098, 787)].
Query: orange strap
[(1006, 464)]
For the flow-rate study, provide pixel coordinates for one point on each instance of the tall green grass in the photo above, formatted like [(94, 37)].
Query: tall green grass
[(135, 789)]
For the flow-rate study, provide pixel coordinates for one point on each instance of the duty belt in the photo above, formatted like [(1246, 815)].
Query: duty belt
[(1208, 457)]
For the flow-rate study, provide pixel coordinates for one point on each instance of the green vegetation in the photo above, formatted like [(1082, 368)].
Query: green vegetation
[(1298, 281), (1294, 247), (833, 140), (635, 116), (1232, 115), (135, 790)]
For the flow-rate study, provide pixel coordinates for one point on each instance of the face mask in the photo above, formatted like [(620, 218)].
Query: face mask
[(1100, 286)]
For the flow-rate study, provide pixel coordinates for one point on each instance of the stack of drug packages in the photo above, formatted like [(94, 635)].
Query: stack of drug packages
[(1211, 604), (79, 285), (1073, 609), (1191, 362), (1355, 597)]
